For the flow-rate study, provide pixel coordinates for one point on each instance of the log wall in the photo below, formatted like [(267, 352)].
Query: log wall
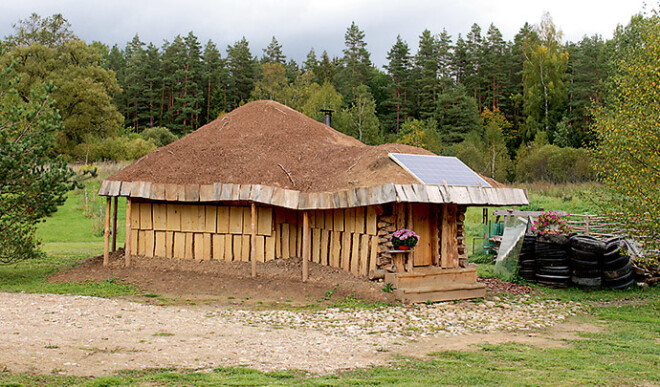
[(345, 238)]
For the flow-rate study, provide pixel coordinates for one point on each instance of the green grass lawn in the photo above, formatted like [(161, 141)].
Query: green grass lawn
[(68, 237), (71, 232), (626, 351)]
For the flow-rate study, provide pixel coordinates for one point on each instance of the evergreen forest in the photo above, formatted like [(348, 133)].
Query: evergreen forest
[(518, 110)]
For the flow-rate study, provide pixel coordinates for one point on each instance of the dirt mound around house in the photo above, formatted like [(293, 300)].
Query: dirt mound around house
[(265, 142), (229, 283)]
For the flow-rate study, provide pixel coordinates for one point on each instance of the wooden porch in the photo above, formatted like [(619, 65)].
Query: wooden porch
[(437, 268)]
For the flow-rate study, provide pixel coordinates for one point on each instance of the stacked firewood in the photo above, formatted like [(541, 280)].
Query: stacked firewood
[(647, 274), (386, 226), (460, 236)]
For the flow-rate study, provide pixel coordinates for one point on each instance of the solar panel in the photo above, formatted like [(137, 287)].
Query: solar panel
[(439, 169)]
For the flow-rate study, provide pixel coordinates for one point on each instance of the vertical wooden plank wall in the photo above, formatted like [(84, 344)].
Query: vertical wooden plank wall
[(345, 239), (200, 232)]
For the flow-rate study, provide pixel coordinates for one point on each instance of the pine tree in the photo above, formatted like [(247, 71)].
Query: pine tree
[(311, 63), (522, 42), (192, 97), (356, 64), (399, 69), (212, 82), (292, 70), (32, 181), (473, 70), (588, 72), (273, 53), (174, 64), (457, 114), (135, 85), (494, 68), (445, 59), (153, 80), (241, 67), (116, 62), (426, 63), (459, 60), (326, 70)]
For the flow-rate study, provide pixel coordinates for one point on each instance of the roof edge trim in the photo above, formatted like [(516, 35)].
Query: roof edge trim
[(293, 199)]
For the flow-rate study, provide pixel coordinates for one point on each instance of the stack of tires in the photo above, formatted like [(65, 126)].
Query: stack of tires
[(527, 259), (586, 255), (552, 268), (618, 271)]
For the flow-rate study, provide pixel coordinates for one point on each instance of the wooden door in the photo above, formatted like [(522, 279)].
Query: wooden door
[(424, 225)]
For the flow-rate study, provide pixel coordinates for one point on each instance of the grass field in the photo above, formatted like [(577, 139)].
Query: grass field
[(625, 351)]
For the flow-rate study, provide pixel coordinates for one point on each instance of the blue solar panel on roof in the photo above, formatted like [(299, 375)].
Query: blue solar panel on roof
[(439, 170)]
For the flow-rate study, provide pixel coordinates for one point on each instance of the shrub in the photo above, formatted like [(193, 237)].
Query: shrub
[(127, 147), (159, 135), (554, 164)]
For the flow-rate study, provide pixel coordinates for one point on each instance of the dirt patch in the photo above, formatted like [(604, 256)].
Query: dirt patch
[(49, 333), (495, 286), (557, 336), (228, 283)]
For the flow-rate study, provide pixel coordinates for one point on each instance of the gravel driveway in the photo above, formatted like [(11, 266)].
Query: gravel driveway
[(79, 335)]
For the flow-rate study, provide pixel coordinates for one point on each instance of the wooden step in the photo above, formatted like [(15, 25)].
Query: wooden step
[(442, 293), (432, 278), (442, 288)]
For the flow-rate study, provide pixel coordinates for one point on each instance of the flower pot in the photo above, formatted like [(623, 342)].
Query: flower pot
[(403, 247)]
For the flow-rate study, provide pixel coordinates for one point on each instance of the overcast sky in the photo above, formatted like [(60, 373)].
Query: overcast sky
[(300, 25)]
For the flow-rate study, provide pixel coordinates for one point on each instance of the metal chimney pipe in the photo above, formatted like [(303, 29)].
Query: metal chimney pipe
[(327, 116)]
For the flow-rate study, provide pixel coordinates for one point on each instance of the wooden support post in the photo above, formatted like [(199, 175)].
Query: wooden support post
[(586, 223), (106, 234), (253, 240), (305, 246), (127, 249), (449, 242), (410, 225), (114, 222)]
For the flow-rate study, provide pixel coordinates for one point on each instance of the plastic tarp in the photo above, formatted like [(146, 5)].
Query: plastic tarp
[(506, 263)]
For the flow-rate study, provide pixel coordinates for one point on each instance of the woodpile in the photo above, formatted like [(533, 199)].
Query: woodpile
[(386, 226), (648, 274), (460, 237)]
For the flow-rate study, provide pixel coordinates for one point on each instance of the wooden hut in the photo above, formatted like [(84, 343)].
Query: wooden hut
[(266, 182)]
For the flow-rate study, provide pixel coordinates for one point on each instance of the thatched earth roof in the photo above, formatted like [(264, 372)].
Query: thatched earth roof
[(267, 143), (268, 153)]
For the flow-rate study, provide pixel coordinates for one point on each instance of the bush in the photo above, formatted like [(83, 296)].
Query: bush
[(128, 147), (554, 164), (159, 135)]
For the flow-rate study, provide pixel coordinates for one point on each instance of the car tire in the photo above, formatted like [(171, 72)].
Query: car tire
[(618, 273), (616, 263), (586, 243), (579, 264), (584, 255), (587, 282)]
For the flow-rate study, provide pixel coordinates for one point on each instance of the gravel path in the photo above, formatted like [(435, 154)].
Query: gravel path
[(93, 336)]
